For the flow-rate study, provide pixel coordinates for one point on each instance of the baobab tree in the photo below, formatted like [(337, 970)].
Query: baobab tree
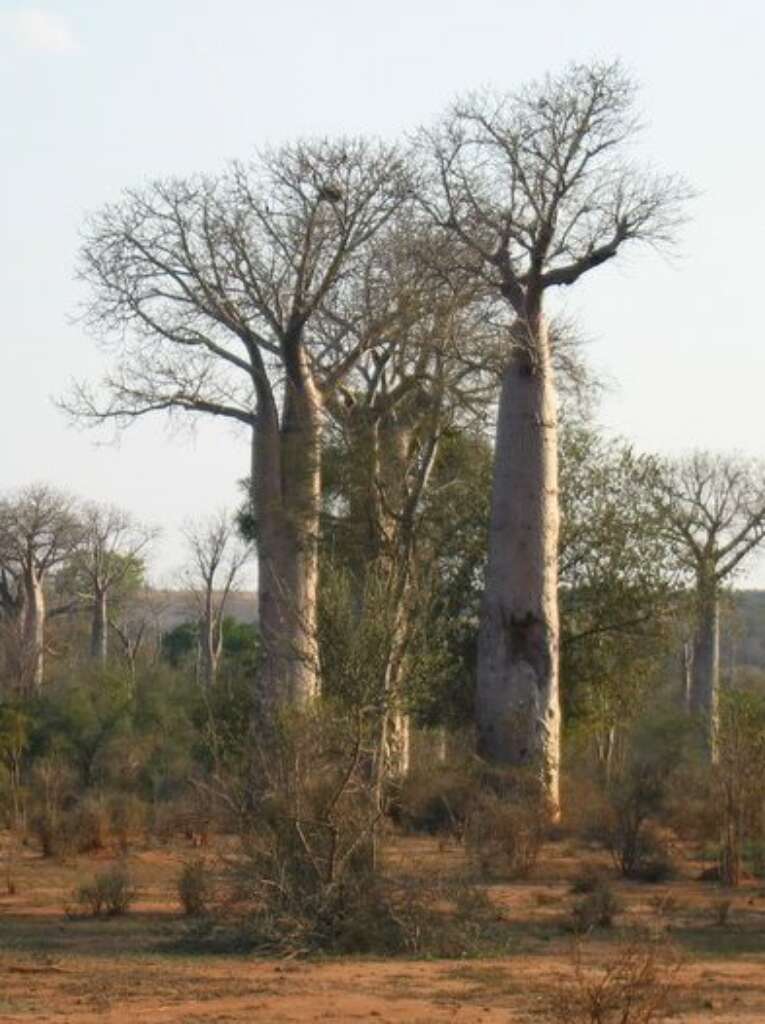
[(713, 512), (536, 189), (231, 296), (218, 559), (107, 559), (39, 530)]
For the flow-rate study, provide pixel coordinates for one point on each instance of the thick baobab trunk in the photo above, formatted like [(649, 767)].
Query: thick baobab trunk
[(705, 678), (34, 627), (286, 481), (99, 627), (518, 709)]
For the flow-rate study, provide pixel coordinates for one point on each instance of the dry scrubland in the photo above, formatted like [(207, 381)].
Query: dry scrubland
[(57, 963)]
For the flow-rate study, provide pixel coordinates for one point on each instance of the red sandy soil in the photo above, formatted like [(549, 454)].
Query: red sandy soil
[(55, 968)]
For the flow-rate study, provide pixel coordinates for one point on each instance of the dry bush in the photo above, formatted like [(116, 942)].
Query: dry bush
[(109, 894), (88, 825), (127, 818), (590, 878), (196, 887), (665, 905), (308, 826), (596, 910), (633, 987), (504, 835), (436, 802), (720, 910)]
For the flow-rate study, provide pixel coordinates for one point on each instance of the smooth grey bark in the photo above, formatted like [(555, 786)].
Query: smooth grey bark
[(210, 641), (286, 496), (686, 666), (518, 707), (34, 625), (713, 512), (705, 672), (99, 628)]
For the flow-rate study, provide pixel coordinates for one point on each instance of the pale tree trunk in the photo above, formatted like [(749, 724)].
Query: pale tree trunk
[(211, 640), (605, 745), (705, 679), (286, 478), (517, 701), (34, 627), (99, 626), (686, 665)]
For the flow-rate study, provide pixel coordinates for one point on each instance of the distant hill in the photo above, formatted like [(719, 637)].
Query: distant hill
[(742, 628), (171, 607)]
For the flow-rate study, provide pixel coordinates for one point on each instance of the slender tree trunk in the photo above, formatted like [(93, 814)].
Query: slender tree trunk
[(286, 481), (686, 662), (211, 640), (705, 679), (518, 707), (34, 627), (99, 626)]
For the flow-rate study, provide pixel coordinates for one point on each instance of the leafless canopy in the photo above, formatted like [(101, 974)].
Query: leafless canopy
[(538, 185), (713, 507), (218, 557), (39, 528), (205, 286)]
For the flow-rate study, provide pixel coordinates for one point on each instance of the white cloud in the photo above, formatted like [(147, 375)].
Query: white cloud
[(36, 31)]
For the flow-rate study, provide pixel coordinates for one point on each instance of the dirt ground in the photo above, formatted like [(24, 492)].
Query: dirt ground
[(55, 967)]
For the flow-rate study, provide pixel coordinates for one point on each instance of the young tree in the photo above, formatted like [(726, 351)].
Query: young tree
[(108, 560), (537, 190), (232, 296), (217, 564), (618, 583), (713, 510), (39, 529)]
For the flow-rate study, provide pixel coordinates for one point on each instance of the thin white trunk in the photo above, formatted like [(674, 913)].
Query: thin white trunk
[(518, 708)]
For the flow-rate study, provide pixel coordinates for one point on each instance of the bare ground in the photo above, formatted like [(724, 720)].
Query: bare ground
[(54, 967)]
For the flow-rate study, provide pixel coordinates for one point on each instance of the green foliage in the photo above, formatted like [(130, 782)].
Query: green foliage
[(618, 582)]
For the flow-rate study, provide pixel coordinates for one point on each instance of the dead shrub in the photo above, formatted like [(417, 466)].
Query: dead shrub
[(435, 802), (633, 987), (196, 887), (127, 818), (88, 825), (596, 910), (590, 878), (720, 910), (504, 836), (109, 894)]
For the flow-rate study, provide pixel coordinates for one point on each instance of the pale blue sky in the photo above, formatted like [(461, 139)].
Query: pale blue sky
[(98, 95)]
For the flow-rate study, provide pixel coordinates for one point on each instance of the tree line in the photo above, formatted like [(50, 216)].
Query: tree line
[(372, 313)]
